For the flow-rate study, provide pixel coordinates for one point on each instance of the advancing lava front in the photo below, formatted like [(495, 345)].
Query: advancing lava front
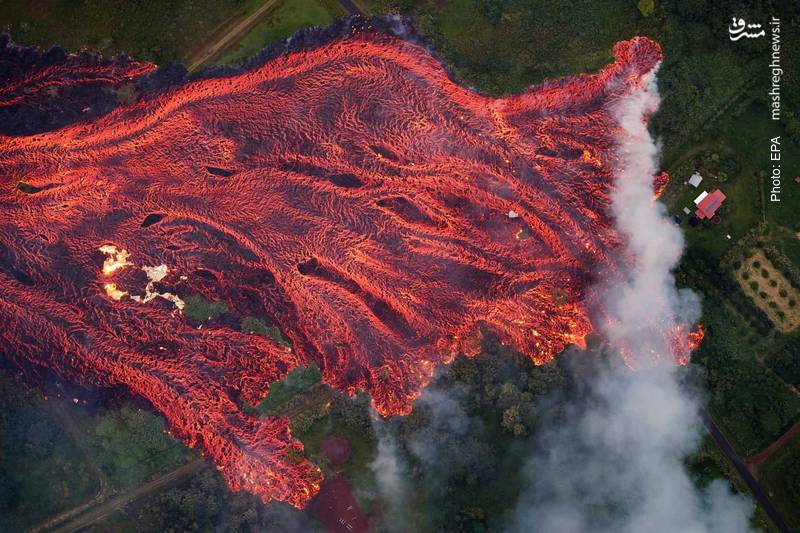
[(348, 191)]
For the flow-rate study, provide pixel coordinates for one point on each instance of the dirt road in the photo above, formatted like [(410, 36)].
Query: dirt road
[(61, 410), (132, 495), (351, 7), (236, 31), (767, 452)]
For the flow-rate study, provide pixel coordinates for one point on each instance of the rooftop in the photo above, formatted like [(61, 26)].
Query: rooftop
[(709, 203)]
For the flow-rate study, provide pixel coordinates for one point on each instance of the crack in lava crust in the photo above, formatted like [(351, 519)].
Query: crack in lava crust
[(352, 193)]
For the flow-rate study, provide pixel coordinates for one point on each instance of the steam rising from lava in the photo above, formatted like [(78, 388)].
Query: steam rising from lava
[(347, 191), (614, 460)]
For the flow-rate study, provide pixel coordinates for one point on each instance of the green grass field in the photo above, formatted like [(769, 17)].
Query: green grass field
[(503, 47), (739, 213), (782, 475), (284, 20), (153, 31)]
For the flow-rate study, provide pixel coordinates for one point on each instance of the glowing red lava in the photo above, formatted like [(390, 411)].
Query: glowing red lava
[(349, 192)]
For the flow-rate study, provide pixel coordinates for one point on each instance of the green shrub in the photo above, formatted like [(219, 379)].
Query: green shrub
[(756, 264), (256, 326), (754, 285), (151, 448), (282, 393), (199, 309), (745, 275), (783, 293), (737, 264), (764, 273), (763, 295), (302, 422), (773, 283), (646, 7)]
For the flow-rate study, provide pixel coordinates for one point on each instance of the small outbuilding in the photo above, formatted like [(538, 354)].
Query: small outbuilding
[(700, 198), (696, 179)]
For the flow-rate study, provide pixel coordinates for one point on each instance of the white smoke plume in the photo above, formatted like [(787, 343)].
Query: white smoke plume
[(389, 469), (444, 442), (615, 460)]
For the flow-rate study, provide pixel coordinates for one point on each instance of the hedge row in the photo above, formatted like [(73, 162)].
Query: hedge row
[(784, 265)]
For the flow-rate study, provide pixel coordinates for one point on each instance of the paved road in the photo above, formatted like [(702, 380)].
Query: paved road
[(132, 495), (755, 488)]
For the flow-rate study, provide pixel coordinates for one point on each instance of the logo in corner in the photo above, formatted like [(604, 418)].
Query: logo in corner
[(739, 29)]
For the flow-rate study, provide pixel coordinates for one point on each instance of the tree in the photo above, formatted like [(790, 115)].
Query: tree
[(646, 7), (512, 421)]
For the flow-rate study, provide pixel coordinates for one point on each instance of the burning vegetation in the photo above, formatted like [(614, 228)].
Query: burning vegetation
[(348, 191)]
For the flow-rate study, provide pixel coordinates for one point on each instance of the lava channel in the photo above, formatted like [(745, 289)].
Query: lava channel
[(345, 189)]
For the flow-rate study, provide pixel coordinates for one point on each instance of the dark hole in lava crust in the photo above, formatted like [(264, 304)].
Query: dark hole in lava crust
[(348, 181), (152, 218), (27, 188), (220, 171)]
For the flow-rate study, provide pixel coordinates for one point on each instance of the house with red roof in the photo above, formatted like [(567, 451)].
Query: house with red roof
[(708, 203)]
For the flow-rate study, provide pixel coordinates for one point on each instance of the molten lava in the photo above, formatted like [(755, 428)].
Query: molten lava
[(349, 192)]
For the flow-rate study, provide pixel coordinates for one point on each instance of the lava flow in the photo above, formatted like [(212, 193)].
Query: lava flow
[(347, 191)]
